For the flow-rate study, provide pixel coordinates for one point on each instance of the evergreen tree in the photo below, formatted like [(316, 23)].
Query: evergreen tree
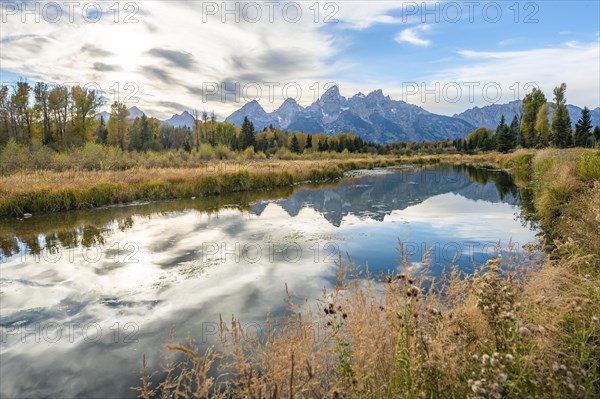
[(294, 145), (597, 134), (503, 139), (101, 132), (247, 137), (514, 132), (308, 145), (141, 134), (583, 128), (561, 122), (187, 143)]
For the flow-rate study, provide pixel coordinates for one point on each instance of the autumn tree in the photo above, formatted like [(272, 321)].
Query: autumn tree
[(42, 94), (58, 106), (118, 126), (542, 127), (22, 112), (5, 121), (85, 104)]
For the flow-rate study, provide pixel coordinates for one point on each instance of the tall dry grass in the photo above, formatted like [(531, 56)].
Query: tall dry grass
[(497, 333), (46, 191)]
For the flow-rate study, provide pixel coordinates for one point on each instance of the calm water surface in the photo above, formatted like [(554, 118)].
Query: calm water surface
[(83, 295)]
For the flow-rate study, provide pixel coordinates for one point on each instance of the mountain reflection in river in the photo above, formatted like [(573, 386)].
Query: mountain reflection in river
[(85, 294)]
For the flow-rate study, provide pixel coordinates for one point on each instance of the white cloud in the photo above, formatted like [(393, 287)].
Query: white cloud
[(171, 53), (411, 35), (172, 50), (361, 15)]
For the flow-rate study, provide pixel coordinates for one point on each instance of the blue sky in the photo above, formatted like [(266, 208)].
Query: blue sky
[(172, 56)]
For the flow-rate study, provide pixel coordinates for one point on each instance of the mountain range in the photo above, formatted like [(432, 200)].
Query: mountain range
[(374, 117)]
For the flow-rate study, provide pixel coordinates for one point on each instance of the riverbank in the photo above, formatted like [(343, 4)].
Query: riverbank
[(85, 186), (46, 191), (515, 328)]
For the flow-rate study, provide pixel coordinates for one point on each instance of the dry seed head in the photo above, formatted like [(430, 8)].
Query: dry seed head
[(524, 332)]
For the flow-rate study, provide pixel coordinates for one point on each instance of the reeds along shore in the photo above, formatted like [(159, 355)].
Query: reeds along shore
[(515, 328), (43, 191)]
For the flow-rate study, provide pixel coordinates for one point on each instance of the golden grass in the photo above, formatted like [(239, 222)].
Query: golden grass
[(50, 191)]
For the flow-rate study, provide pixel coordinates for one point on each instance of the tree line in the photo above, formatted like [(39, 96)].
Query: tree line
[(62, 117), (534, 128)]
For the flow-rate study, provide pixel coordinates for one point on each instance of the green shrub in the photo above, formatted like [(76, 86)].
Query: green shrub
[(588, 165), (14, 156)]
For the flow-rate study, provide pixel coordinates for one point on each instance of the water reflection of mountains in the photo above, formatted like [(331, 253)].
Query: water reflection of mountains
[(375, 197), (367, 197)]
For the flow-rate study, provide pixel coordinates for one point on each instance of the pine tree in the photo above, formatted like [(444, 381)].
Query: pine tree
[(597, 134), (308, 145), (187, 142), (583, 128), (514, 132), (141, 134), (503, 140), (247, 137), (294, 145), (101, 132)]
